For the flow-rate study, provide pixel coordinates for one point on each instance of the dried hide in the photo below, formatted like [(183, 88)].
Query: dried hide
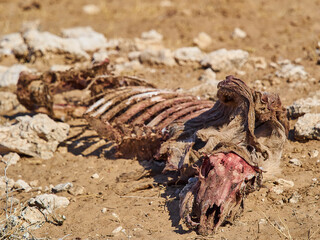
[(69, 93), (226, 145)]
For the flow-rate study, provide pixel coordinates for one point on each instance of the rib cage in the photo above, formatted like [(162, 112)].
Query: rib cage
[(131, 116)]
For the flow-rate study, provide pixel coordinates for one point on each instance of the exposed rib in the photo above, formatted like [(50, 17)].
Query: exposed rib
[(160, 107)]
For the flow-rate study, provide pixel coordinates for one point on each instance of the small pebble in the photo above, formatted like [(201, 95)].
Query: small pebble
[(314, 153), (34, 183), (91, 9), (294, 198), (238, 33), (76, 190), (95, 176), (117, 230), (62, 187), (104, 210), (296, 162), (22, 185), (284, 183)]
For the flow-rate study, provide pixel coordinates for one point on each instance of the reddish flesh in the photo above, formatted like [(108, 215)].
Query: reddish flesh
[(222, 177)]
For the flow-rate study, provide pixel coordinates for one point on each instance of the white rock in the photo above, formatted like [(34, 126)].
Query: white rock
[(34, 183), (314, 153), (188, 55), (295, 198), (223, 59), (62, 187), (208, 75), (203, 40), (76, 190), (30, 25), (11, 158), (117, 230), (134, 55), (308, 127), (45, 42), (9, 102), (49, 202), (36, 136), (303, 106), (149, 40), (104, 210), (207, 89), (11, 75), (88, 39), (291, 71), (296, 162), (259, 62), (91, 9), (4, 52), (127, 67), (60, 68), (95, 176), (33, 215), (10, 42), (284, 183), (277, 189), (238, 33), (152, 35), (22, 185), (100, 56), (163, 56), (115, 44)]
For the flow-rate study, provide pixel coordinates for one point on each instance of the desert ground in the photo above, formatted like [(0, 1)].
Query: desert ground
[(120, 199)]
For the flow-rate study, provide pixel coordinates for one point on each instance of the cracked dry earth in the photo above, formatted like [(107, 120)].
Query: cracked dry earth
[(122, 199)]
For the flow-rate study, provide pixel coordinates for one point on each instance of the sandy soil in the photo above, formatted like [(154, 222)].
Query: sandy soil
[(287, 29)]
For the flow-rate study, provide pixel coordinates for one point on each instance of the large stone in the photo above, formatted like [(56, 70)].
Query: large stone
[(224, 59), (203, 40), (33, 215), (45, 42), (88, 39), (291, 71), (48, 202), (149, 40), (22, 185), (11, 158), (152, 35), (9, 102), (10, 42), (10, 75), (208, 75), (163, 56), (36, 136), (303, 106), (188, 55), (308, 127), (62, 187), (238, 33)]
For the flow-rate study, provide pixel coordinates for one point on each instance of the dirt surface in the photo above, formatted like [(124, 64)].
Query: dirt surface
[(142, 204)]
